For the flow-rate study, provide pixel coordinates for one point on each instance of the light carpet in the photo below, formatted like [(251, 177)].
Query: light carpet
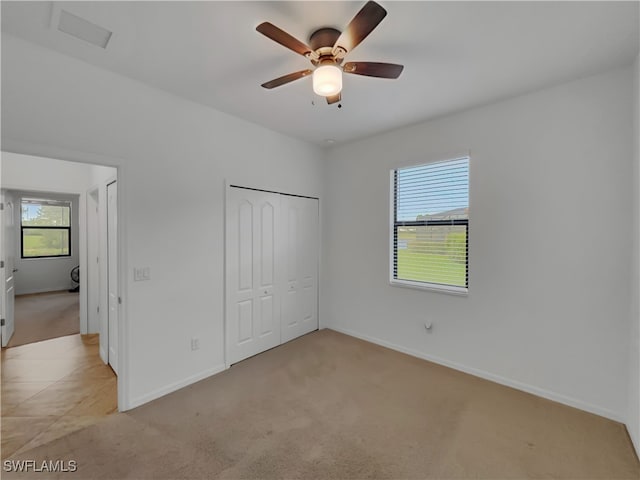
[(331, 406), (43, 316)]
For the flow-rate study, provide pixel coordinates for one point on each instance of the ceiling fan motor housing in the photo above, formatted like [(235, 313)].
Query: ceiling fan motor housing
[(324, 37), (322, 42)]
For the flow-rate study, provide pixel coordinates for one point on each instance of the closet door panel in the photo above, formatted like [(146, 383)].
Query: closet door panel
[(252, 298), (300, 302)]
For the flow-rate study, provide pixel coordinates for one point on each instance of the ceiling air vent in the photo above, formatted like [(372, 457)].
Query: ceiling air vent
[(84, 30)]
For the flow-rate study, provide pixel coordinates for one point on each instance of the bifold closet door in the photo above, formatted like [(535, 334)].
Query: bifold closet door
[(253, 298), (300, 265)]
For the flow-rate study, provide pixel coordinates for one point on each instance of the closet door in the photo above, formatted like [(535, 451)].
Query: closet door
[(253, 296), (300, 265)]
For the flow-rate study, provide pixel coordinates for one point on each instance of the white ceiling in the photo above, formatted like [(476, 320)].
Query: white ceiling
[(456, 54)]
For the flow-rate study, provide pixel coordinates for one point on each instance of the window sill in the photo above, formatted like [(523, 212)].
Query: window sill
[(433, 287), (57, 257)]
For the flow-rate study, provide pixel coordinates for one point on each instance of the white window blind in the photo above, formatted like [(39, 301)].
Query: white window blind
[(430, 231)]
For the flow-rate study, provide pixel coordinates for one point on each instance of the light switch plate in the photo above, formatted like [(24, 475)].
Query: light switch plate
[(141, 274)]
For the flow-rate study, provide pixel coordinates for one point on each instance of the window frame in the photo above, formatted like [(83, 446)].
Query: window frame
[(393, 229), (61, 203)]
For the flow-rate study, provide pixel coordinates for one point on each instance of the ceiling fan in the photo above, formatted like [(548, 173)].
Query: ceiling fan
[(327, 49)]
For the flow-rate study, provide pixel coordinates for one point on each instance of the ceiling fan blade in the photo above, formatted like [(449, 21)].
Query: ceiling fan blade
[(276, 82), (283, 38), (373, 69), (334, 98), (362, 25)]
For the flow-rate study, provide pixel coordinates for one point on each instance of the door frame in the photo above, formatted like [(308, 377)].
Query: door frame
[(56, 153), (93, 253), (109, 322), (228, 183)]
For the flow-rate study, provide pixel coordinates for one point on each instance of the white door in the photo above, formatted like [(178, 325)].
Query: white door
[(112, 273), (253, 296), (300, 262), (8, 243)]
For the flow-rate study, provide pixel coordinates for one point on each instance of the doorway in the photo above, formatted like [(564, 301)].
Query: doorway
[(71, 366), (43, 177), (42, 256)]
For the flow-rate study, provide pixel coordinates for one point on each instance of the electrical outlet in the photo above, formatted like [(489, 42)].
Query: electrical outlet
[(195, 343)]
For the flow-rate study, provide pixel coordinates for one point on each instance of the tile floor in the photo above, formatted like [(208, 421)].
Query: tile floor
[(52, 388)]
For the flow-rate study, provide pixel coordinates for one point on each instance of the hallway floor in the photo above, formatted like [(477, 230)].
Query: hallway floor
[(52, 388)]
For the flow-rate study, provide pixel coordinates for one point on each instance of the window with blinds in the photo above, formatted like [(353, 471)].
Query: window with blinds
[(430, 231)]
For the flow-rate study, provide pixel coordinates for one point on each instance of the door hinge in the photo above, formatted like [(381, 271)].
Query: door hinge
[(1, 206), (1, 322), (1, 263), (119, 301), (98, 308)]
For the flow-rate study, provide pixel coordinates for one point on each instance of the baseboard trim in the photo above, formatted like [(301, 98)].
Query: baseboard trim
[(43, 292), (161, 392), (540, 392)]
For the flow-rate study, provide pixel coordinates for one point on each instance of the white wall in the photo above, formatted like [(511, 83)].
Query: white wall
[(27, 172), (37, 275), (174, 157), (633, 415), (550, 242)]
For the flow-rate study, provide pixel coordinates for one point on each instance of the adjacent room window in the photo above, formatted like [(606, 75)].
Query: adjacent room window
[(430, 226), (46, 228)]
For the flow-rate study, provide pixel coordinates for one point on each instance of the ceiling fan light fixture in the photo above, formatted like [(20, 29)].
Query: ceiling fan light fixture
[(326, 50), (327, 80)]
